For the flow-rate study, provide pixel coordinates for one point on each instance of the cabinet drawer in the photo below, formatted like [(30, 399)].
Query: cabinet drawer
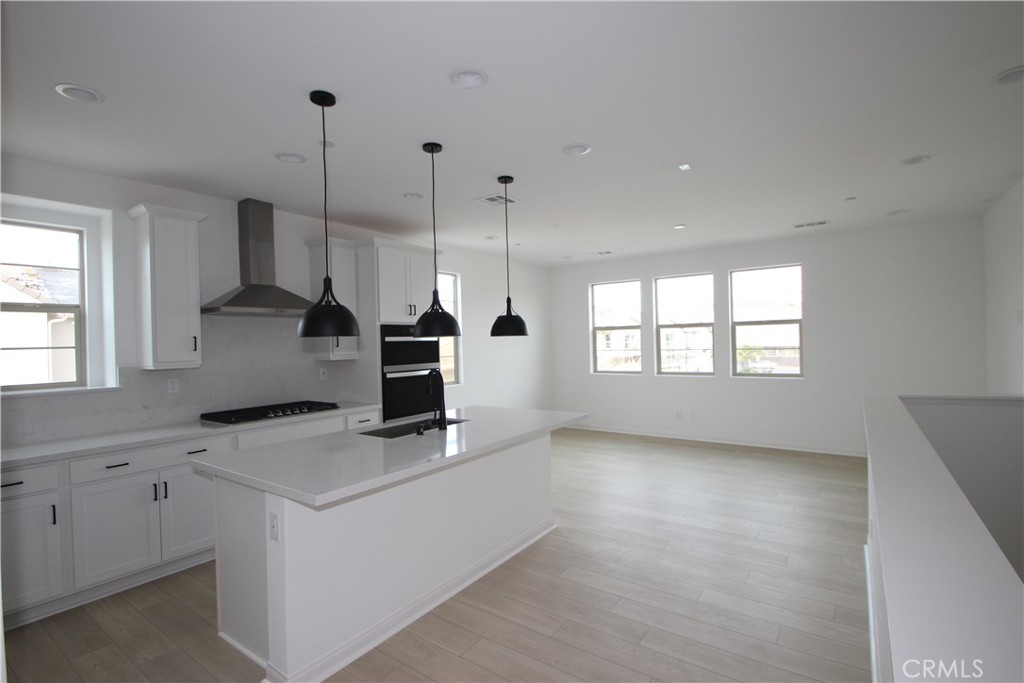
[(281, 433), (141, 460), (30, 480), (360, 420)]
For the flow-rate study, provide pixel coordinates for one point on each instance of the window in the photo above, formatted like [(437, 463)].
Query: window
[(767, 321), (41, 340), (685, 309), (448, 293), (56, 296), (615, 317)]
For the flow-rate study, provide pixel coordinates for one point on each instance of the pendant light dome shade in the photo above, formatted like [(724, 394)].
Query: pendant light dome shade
[(435, 321), (328, 317), (509, 324)]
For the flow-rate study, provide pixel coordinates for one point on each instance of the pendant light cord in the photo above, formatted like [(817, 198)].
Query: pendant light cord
[(433, 213), (327, 247), (508, 283)]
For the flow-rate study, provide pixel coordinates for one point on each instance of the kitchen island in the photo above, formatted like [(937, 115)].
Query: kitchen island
[(326, 546)]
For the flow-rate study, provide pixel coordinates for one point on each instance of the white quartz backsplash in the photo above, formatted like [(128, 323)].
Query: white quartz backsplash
[(246, 361)]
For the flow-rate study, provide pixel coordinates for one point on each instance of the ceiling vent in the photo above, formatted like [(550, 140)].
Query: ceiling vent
[(495, 200), (811, 224)]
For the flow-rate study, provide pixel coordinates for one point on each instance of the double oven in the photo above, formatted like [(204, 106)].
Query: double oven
[(405, 364)]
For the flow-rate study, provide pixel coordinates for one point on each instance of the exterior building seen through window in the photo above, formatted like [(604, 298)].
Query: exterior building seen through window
[(767, 321), (450, 347), (616, 332), (685, 308), (41, 307)]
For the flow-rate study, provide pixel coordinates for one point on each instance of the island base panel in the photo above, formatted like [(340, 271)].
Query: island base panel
[(341, 579)]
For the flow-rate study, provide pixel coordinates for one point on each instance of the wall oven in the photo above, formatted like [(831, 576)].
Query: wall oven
[(405, 363)]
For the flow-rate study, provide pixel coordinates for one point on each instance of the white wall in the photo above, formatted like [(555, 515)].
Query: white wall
[(249, 361), (886, 309), (1004, 292)]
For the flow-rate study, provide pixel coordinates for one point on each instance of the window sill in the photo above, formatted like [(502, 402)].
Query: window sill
[(63, 391)]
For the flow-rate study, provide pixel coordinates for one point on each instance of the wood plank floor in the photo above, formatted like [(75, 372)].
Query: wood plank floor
[(672, 561)]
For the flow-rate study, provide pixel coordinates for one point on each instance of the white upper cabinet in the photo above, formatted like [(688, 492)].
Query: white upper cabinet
[(167, 242), (343, 280), (405, 280)]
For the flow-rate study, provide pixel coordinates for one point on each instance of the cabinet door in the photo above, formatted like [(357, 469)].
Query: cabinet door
[(421, 281), (175, 292), (115, 527), (393, 286), (31, 549), (186, 512)]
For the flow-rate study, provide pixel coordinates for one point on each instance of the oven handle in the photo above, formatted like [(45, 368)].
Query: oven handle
[(406, 373), (411, 367)]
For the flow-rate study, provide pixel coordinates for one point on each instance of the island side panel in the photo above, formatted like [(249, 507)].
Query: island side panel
[(344, 578), (242, 568)]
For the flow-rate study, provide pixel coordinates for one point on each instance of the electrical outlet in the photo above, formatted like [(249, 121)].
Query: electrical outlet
[(172, 385), (275, 527), (323, 374)]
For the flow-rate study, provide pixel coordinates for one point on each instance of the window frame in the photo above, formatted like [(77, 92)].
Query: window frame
[(658, 327), (98, 336), (457, 312), (81, 322), (799, 322), (595, 330)]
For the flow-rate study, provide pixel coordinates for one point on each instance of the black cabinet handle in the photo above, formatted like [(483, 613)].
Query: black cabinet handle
[(155, 496), (53, 509), (165, 490), (363, 421), (195, 343), (201, 450), (414, 309), (13, 483), (337, 342), (112, 467)]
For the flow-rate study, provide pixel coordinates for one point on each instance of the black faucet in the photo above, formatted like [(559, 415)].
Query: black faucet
[(435, 386)]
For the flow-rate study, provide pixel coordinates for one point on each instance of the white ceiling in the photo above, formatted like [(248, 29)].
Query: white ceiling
[(784, 110)]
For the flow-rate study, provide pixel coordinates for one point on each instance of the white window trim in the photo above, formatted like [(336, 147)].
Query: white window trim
[(97, 226)]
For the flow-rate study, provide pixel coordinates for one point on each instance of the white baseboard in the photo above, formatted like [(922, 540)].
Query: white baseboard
[(349, 651)]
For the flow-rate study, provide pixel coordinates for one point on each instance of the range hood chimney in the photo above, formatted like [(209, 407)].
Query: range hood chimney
[(258, 293)]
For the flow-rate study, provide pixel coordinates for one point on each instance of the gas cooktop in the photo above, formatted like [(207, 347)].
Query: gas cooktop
[(267, 412)]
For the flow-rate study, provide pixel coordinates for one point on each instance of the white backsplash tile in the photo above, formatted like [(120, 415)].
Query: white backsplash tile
[(246, 361)]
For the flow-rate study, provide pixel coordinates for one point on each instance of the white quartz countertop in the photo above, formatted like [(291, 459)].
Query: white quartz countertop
[(47, 451), (328, 469)]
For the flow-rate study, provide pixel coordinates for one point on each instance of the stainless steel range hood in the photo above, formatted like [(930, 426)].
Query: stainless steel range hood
[(258, 293)]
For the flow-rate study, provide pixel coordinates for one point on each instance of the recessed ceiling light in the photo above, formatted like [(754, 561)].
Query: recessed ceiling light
[(685, 167), (79, 93), (491, 237), (289, 158), (577, 149), (468, 78), (413, 195), (679, 226), (897, 212), (915, 160), (1014, 75)]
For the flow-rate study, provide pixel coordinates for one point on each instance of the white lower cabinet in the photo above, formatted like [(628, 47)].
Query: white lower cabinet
[(116, 527), (129, 523), (186, 512), (32, 558)]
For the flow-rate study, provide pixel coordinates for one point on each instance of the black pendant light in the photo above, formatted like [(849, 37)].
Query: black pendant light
[(435, 321), (328, 317), (509, 324)]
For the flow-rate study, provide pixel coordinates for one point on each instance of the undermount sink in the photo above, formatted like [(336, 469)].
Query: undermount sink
[(395, 431)]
